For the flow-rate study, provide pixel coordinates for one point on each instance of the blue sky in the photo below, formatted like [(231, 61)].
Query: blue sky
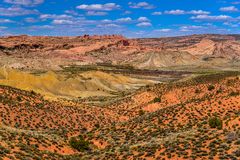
[(139, 18)]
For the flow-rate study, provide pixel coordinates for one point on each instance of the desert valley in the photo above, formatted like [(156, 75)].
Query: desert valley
[(111, 97)]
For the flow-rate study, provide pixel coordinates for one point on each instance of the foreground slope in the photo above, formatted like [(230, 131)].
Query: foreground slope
[(168, 121), (178, 126)]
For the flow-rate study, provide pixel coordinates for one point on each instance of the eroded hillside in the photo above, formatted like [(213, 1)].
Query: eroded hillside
[(55, 85), (209, 51), (193, 119)]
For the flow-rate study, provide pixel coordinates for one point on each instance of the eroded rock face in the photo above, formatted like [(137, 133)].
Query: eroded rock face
[(195, 49), (42, 42)]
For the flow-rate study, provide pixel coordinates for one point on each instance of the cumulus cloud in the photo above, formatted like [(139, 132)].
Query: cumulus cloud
[(72, 12), (197, 12), (127, 12), (25, 2), (6, 21), (62, 21), (99, 7), (130, 20), (231, 24), (16, 11), (106, 21), (163, 30), (73, 21), (54, 16), (229, 9), (157, 13), (124, 20), (30, 20), (175, 12), (143, 5), (182, 12), (96, 13), (3, 27), (212, 18), (110, 25), (144, 24), (143, 19), (189, 28), (41, 27)]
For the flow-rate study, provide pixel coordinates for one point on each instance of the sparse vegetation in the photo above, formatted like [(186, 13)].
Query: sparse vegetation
[(234, 93), (215, 122), (184, 125), (211, 87), (79, 143), (141, 112), (157, 99)]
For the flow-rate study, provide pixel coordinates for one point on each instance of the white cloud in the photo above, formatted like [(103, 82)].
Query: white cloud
[(69, 20), (42, 27), (144, 24), (198, 12), (231, 24), (163, 30), (127, 12), (25, 2), (16, 11), (96, 13), (157, 13), (54, 16), (124, 20), (72, 12), (2, 28), (109, 25), (229, 9), (62, 21), (106, 21), (182, 12), (6, 21), (212, 18), (143, 19), (143, 5), (30, 20), (76, 22), (175, 12), (190, 28), (99, 7), (185, 30)]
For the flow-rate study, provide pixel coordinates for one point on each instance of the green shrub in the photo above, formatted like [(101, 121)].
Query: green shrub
[(211, 87), (197, 91), (141, 112), (234, 94), (19, 98), (219, 90), (32, 92), (79, 143), (215, 122), (157, 99)]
